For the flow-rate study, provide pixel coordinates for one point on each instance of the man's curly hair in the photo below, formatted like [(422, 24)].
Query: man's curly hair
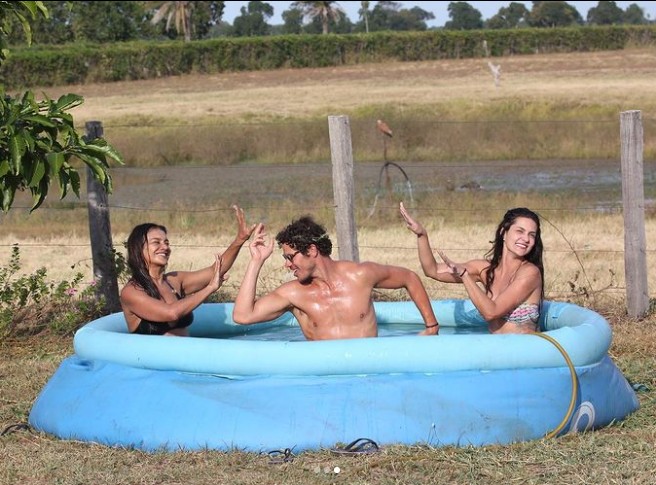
[(302, 233)]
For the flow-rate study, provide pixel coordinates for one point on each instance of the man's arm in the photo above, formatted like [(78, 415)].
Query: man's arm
[(396, 277), (247, 309)]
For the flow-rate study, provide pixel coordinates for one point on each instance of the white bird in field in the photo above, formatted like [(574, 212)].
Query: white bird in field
[(383, 128), (496, 72)]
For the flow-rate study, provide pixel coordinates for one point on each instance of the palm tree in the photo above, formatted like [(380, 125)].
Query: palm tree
[(177, 13), (325, 10), (364, 13)]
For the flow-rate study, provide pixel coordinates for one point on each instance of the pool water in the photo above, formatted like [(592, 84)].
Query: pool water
[(293, 333)]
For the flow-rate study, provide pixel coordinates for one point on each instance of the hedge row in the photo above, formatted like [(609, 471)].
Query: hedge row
[(79, 64)]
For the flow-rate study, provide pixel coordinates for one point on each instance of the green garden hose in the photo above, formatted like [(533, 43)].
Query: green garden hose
[(575, 385)]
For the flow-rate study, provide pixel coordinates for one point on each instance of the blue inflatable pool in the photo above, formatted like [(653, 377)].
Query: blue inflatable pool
[(264, 387)]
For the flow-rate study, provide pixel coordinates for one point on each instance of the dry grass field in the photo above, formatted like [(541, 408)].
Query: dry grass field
[(611, 80), (584, 249)]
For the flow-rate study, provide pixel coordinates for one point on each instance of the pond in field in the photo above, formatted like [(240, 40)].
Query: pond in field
[(525, 176), (602, 179), (304, 182)]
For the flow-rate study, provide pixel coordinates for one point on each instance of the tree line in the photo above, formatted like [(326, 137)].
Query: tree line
[(120, 21)]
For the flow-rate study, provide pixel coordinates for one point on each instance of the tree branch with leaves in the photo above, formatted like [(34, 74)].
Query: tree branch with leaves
[(38, 140)]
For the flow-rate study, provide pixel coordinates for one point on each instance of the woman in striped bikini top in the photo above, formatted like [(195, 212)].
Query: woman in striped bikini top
[(507, 287)]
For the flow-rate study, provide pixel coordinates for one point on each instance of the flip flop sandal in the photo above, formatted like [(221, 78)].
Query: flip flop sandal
[(15, 427), (277, 457), (361, 446), (638, 387)]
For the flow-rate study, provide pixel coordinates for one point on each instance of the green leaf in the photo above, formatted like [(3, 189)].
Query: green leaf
[(4, 168), (56, 161), (99, 171), (67, 119), (37, 174), (64, 182), (75, 182), (28, 100), (8, 197), (26, 28), (43, 9), (41, 120), (109, 186), (16, 150), (28, 139), (30, 7), (100, 145), (68, 101), (39, 194)]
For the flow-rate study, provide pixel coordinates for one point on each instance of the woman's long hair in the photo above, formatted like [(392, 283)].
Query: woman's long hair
[(494, 254), (137, 239)]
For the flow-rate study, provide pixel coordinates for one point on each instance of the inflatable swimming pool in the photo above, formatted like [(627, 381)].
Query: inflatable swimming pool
[(232, 387)]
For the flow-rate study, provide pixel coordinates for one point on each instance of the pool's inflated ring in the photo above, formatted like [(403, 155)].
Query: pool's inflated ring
[(219, 390)]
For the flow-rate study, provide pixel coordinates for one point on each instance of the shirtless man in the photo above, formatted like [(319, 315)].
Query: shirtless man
[(330, 299)]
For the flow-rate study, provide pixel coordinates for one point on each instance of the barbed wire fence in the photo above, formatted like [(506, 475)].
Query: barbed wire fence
[(632, 183)]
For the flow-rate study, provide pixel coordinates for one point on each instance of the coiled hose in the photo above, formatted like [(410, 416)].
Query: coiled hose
[(575, 384)]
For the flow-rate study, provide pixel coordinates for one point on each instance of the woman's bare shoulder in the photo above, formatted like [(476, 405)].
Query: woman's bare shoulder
[(528, 269), (477, 264)]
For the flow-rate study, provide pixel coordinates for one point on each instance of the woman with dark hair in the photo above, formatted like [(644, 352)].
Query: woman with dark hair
[(158, 303), (511, 275)]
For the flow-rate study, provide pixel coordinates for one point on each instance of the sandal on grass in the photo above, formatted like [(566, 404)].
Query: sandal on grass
[(360, 446), (15, 427), (277, 457)]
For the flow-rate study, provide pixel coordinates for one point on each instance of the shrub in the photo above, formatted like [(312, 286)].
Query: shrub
[(30, 304)]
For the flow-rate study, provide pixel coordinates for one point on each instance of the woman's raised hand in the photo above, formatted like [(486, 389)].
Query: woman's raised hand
[(412, 224), (217, 280), (244, 231), (456, 269)]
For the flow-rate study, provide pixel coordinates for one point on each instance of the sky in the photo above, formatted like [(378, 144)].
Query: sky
[(439, 9)]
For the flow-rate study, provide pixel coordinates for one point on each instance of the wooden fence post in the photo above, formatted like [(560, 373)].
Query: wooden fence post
[(341, 154), (100, 233), (633, 202)]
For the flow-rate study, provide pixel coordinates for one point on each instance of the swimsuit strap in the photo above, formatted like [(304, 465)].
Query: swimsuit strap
[(179, 296)]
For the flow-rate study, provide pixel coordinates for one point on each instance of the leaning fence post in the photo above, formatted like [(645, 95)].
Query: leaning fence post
[(633, 202), (341, 154), (100, 233)]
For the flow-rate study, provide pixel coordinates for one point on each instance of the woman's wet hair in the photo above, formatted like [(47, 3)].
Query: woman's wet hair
[(137, 239), (304, 232), (494, 254)]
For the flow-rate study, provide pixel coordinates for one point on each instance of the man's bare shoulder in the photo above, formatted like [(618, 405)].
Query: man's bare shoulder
[(369, 271), (351, 267), (288, 287)]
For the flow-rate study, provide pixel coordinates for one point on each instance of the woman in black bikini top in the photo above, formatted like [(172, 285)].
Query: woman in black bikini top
[(146, 327), (158, 303)]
